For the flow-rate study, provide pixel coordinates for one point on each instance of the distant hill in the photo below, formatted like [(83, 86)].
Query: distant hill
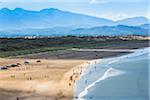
[(47, 18), (145, 26), (119, 30), (135, 21)]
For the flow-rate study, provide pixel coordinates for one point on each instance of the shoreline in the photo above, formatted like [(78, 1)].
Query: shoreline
[(68, 91), (84, 93), (63, 88)]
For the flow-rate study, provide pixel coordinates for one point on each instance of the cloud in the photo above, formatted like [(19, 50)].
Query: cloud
[(118, 1), (93, 1), (57, 1), (118, 16), (97, 1)]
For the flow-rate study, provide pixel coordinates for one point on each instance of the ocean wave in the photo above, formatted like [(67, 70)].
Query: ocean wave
[(122, 78)]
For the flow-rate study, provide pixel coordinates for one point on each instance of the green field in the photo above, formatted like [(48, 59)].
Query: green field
[(22, 46)]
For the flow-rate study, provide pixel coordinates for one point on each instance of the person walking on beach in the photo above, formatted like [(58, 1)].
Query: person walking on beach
[(95, 68), (85, 81)]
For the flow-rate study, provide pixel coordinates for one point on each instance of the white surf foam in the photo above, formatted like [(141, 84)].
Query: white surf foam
[(111, 72), (123, 78)]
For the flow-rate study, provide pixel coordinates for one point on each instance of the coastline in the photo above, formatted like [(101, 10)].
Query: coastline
[(34, 90), (60, 84), (87, 83)]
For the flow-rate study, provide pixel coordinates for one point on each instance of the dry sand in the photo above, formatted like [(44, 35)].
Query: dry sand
[(46, 80)]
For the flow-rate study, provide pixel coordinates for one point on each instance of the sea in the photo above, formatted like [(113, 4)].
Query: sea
[(119, 78)]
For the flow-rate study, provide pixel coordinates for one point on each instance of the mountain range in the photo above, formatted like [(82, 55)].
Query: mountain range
[(19, 18), (119, 30)]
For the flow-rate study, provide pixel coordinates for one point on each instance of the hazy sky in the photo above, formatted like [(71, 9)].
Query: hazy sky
[(111, 9)]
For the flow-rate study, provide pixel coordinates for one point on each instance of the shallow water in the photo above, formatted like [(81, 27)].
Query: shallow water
[(119, 78)]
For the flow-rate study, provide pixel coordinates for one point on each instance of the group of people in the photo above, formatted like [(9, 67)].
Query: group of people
[(78, 72), (75, 74)]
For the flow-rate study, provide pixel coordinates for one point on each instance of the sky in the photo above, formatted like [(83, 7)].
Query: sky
[(110, 9)]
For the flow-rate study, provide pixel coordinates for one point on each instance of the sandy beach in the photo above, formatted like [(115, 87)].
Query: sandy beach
[(37, 80), (52, 78)]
